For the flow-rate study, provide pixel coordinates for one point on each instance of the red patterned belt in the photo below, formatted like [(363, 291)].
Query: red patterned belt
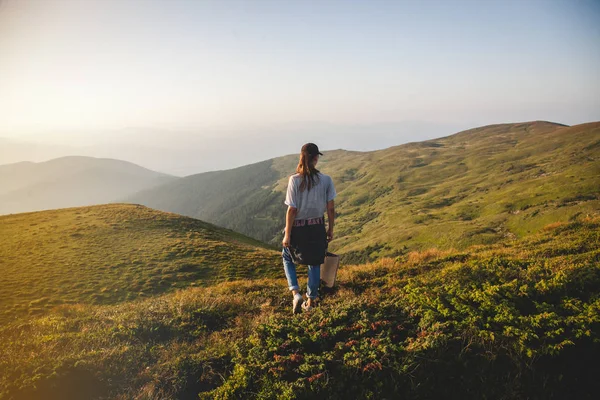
[(310, 221)]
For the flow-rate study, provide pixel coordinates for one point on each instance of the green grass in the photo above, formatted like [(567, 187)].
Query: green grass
[(518, 319), (113, 253), (479, 271), (475, 187)]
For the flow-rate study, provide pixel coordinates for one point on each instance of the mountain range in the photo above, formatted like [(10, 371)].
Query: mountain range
[(480, 186), (70, 182), (492, 287)]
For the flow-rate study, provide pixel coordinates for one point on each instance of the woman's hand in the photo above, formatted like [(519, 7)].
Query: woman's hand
[(329, 235), (286, 241)]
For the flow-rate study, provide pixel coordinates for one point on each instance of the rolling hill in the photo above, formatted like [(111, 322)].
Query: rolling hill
[(480, 186), (112, 253), (71, 181), (518, 320)]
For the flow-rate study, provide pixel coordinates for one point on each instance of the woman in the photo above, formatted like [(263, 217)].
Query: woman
[(309, 194)]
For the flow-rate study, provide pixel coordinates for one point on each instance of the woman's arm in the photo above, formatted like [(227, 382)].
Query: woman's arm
[(330, 219), (289, 222), (331, 194), (290, 200)]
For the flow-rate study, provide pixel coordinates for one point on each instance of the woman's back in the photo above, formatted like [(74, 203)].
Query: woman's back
[(310, 203)]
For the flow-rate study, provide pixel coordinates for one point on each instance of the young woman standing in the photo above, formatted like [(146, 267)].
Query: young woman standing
[(309, 194)]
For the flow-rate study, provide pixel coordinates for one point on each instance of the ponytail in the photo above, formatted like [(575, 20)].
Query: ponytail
[(308, 172)]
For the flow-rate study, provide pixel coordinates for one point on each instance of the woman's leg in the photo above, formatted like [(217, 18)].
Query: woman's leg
[(290, 270), (314, 278)]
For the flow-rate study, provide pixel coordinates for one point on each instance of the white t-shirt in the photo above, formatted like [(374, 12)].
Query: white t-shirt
[(310, 203)]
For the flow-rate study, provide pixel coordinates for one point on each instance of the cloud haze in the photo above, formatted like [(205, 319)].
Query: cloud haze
[(208, 81)]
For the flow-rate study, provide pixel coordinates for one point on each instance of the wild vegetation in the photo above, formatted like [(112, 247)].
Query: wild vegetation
[(517, 319), (479, 186), (112, 253), (476, 274)]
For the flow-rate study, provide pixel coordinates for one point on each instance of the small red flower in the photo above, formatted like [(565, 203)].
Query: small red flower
[(315, 377), (372, 366), (356, 327)]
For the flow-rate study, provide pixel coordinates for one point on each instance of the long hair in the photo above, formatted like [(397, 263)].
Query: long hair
[(307, 170)]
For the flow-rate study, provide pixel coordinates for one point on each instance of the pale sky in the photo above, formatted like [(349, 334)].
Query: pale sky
[(94, 71)]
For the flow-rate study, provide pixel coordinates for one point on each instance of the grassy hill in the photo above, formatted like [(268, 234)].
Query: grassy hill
[(112, 253), (501, 321), (70, 182), (480, 186)]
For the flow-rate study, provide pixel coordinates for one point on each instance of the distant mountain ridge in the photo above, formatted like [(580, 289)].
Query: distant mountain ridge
[(478, 186), (71, 181)]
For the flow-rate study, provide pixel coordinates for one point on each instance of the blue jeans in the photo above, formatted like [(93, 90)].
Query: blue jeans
[(314, 275)]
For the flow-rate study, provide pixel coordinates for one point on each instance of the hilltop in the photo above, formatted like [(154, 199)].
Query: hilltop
[(71, 181), (480, 186), (113, 253), (514, 320)]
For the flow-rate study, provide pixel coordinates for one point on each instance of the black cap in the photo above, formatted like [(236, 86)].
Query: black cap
[(311, 149)]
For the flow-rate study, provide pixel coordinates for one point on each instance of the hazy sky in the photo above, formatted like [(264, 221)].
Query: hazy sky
[(95, 71)]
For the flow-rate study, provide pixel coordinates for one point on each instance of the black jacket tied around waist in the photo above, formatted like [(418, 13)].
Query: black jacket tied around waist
[(308, 242)]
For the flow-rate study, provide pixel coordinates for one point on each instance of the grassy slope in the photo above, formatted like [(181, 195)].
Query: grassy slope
[(233, 198), (517, 320), (475, 187), (112, 253), (70, 182)]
